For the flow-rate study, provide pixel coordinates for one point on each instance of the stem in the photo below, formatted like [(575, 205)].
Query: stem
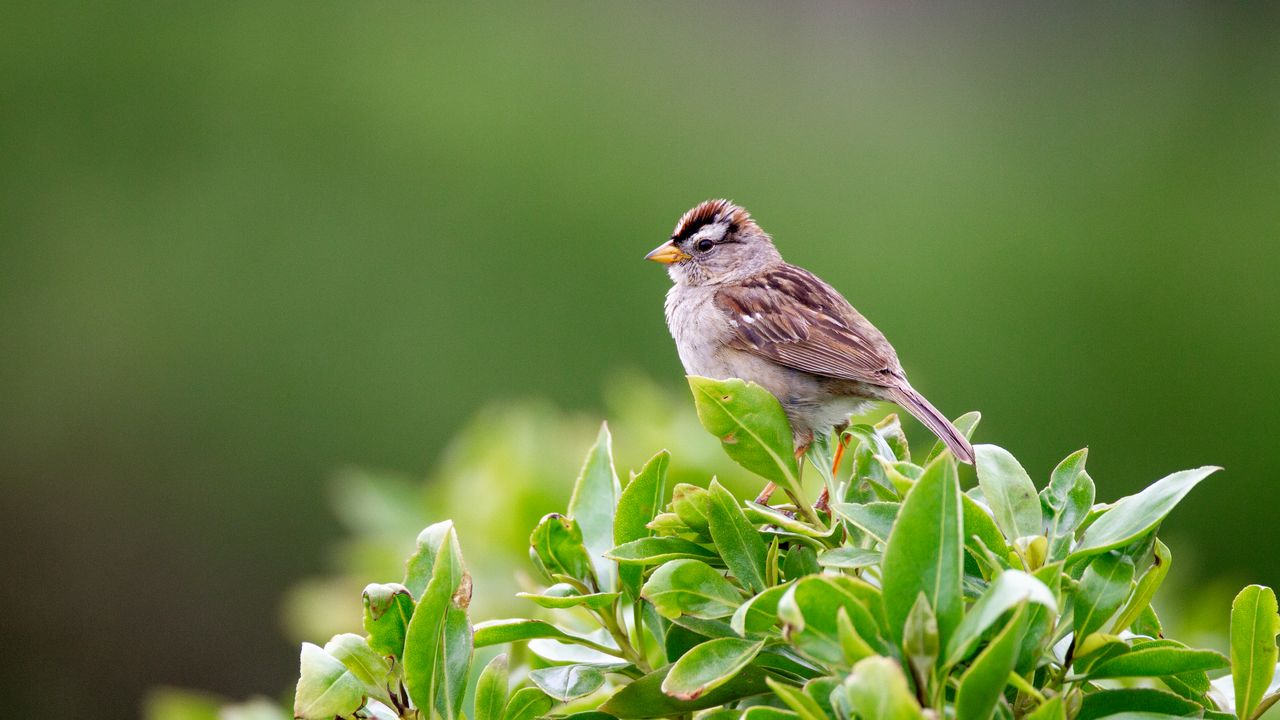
[(637, 620), (1265, 705), (615, 652), (1021, 683), (628, 653), (802, 507)]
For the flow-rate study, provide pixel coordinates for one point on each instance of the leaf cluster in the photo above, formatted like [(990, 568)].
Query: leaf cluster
[(902, 596)]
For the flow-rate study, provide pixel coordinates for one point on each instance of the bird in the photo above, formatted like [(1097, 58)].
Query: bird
[(736, 309)]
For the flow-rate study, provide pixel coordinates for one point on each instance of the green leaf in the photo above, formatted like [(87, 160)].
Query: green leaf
[(1107, 703), (1010, 589), (639, 503), (326, 687), (1157, 659), (980, 529), (1041, 619), (925, 552), (644, 698), (424, 647), (1193, 685), (491, 690), (708, 666), (668, 524), (735, 538), (877, 689), (804, 706), (1148, 623), (1098, 647), (810, 609), (890, 428), (1254, 625), (719, 714), (1066, 502), (983, 683), (658, 550), (801, 560), (1141, 715), (966, 424), (875, 519), (1051, 709), (564, 595), (920, 637), (419, 567), (1009, 491), (387, 610), (853, 646), (568, 682), (690, 503), (1136, 515), (1104, 585), (769, 515), (1161, 561), (370, 668), (593, 503), (752, 428), (849, 558), (527, 704), (558, 547), (822, 690), (455, 662), (760, 613), (690, 587), (869, 438), (558, 652), (900, 473), (498, 632), (764, 712)]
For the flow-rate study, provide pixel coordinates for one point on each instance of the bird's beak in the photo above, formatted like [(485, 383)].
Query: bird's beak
[(667, 253)]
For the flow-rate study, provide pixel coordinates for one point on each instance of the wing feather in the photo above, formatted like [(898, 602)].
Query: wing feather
[(791, 317)]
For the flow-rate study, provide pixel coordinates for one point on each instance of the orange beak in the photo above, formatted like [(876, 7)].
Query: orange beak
[(667, 253)]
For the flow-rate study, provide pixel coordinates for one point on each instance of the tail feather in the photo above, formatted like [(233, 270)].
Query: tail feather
[(926, 413)]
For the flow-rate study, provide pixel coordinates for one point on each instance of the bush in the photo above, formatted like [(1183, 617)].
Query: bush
[(902, 597)]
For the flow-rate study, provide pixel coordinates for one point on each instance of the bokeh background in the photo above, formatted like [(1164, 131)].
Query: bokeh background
[(244, 245)]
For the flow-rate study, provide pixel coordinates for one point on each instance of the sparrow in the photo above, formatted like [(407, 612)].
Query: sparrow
[(737, 310)]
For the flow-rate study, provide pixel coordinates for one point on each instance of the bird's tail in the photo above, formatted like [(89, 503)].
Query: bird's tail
[(914, 402)]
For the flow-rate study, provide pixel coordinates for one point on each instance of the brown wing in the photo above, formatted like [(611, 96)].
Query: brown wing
[(791, 317)]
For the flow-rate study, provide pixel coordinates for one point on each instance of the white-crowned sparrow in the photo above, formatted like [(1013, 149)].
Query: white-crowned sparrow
[(737, 310)]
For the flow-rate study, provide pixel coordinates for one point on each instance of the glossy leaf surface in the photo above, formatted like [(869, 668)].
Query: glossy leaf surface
[(708, 666), (925, 552), (1009, 492), (1136, 515), (751, 426), (1254, 625)]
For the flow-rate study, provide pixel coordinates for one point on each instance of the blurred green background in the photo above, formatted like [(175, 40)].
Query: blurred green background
[(245, 244)]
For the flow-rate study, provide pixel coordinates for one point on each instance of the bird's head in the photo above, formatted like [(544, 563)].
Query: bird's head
[(713, 243)]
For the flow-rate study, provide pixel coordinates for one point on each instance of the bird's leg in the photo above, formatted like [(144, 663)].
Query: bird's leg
[(825, 497), (840, 447)]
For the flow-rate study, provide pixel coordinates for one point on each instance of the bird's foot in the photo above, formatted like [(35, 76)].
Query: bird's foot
[(839, 454)]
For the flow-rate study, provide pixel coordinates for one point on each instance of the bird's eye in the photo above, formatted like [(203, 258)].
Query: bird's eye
[(705, 245)]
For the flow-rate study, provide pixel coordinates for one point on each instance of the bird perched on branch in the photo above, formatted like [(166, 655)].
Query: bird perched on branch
[(738, 310)]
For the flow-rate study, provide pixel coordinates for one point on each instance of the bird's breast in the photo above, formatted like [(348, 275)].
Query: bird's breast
[(700, 330)]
